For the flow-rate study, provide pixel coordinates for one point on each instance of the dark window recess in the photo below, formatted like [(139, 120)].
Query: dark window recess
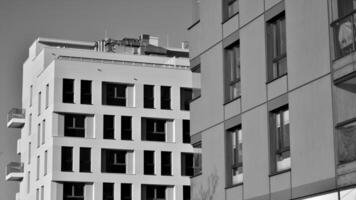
[(85, 160), (166, 163), (85, 92), (186, 131), (186, 192), (113, 161), (154, 192), (108, 129), (148, 96), (345, 7), (126, 191), (276, 44), (68, 91), (73, 191), (114, 94), (108, 191), (67, 159), (186, 95), (149, 162), (126, 128), (232, 72), (153, 130), (230, 8), (187, 166), (165, 97), (74, 125), (197, 163), (280, 142)]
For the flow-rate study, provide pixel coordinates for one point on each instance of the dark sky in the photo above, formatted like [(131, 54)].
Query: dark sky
[(22, 21)]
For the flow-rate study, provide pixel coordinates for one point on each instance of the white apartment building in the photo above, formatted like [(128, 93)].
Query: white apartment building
[(104, 120)]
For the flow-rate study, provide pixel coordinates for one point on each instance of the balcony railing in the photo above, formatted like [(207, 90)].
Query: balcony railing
[(14, 171), (16, 118), (344, 30)]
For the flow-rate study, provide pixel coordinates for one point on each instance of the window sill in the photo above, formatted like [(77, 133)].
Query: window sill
[(69, 102), (280, 172), (228, 18), (231, 100), (195, 23), (234, 185), (268, 82)]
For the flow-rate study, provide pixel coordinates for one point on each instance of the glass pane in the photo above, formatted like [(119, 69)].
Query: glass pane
[(332, 196), (343, 36), (282, 34), (347, 143), (349, 194), (282, 66)]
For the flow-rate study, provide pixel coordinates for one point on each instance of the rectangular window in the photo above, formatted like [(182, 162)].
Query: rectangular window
[(108, 191), (85, 92), (234, 150), (28, 181), (45, 163), (68, 91), (196, 74), (165, 97), (31, 94), (280, 143), (67, 159), (346, 141), (38, 168), (47, 95), (30, 124), (166, 163), (39, 103), (148, 96), (187, 166), (154, 192), (345, 7), (29, 153), (126, 191), (42, 192), (74, 125), (149, 162), (185, 98), (276, 44), (196, 11), (113, 161), (230, 8), (38, 135), (108, 131), (43, 131), (37, 194), (114, 94), (186, 131), (85, 160), (126, 128), (186, 192), (73, 191), (153, 129), (232, 72)]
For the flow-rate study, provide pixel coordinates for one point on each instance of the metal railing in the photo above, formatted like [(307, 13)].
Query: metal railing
[(16, 113), (344, 31), (14, 167)]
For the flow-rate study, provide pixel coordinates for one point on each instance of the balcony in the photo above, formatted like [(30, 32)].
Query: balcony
[(16, 118), (14, 171)]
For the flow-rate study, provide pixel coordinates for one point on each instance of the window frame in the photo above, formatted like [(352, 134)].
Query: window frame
[(85, 96), (165, 99), (232, 71), (226, 6), (70, 92), (148, 100), (73, 125), (67, 160)]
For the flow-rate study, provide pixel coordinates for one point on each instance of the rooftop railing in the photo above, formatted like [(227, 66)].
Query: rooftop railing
[(344, 31), (16, 113)]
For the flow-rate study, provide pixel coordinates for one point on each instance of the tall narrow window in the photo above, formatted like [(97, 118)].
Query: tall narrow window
[(38, 135), (126, 128), (85, 92), (43, 131), (230, 8), (30, 124), (47, 96), (276, 44), (39, 103), (108, 191), (38, 168), (68, 91), (232, 72), (28, 181), (187, 167), (73, 191), (31, 95), (165, 97), (149, 162), (45, 163), (85, 160), (186, 192), (166, 163), (74, 125), (67, 159), (29, 153), (186, 131), (37, 194), (196, 74), (234, 150), (126, 191), (108, 131), (185, 98), (148, 95), (280, 143), (42, 192)]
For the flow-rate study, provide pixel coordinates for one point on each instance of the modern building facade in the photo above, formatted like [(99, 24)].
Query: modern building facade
[(104, 120), (275, 117)]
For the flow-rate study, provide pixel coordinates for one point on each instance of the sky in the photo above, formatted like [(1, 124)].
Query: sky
[(22, 21)]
